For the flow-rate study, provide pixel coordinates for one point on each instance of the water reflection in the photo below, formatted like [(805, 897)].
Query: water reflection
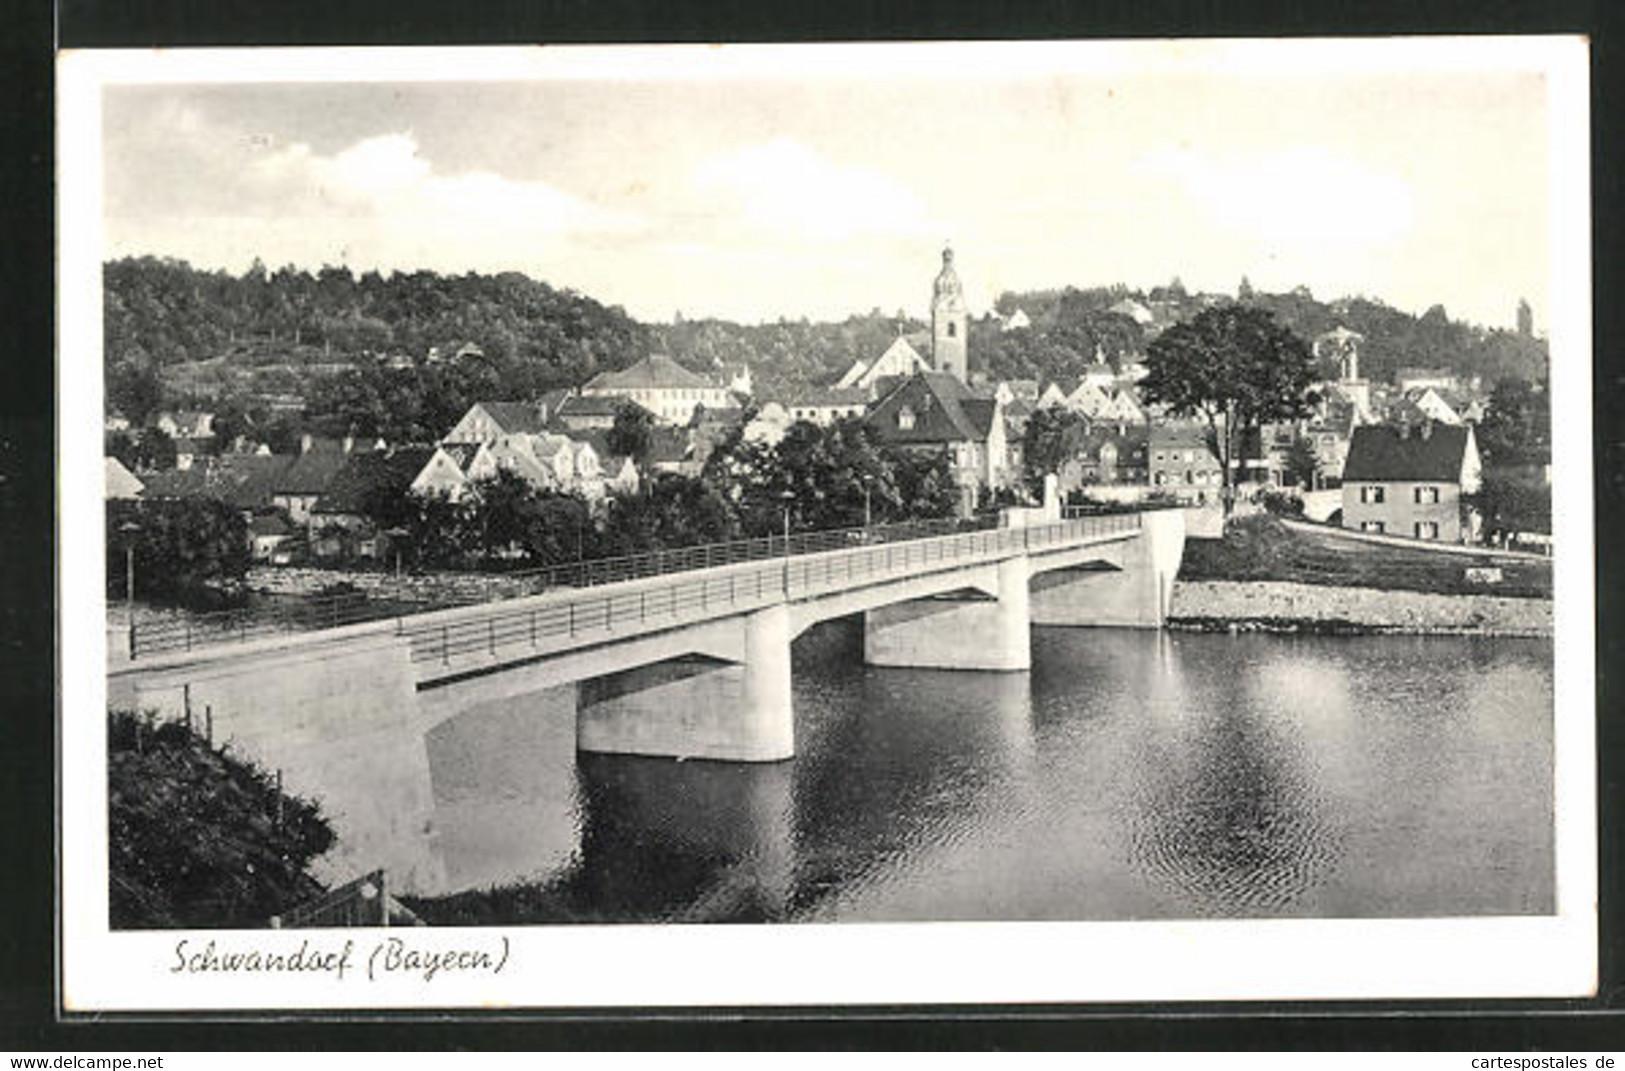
[(1128, 775)]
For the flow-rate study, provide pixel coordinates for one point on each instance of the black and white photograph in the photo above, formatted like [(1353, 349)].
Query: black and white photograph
[(918, 522)]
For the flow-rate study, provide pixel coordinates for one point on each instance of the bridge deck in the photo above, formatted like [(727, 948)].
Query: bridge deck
[(570, 617)]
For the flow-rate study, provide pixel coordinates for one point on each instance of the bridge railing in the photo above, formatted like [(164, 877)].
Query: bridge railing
[(349, 607), (330, 610), (705, 594)]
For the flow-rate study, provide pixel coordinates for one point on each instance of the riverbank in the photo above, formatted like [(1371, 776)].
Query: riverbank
[(1284, 606), (1262, 549)]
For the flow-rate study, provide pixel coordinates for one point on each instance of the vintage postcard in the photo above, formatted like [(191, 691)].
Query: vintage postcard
[(826, 524)]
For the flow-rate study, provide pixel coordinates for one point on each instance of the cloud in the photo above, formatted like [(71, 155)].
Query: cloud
[(784, 187), (1292, 196), (386, 177)]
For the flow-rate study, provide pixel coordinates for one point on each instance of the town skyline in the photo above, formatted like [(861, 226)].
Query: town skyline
[(755, 197)]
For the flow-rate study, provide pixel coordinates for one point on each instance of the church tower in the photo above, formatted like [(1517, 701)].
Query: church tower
[(949, 322)]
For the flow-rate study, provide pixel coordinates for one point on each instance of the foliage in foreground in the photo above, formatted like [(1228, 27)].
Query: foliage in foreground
[(193, 835)]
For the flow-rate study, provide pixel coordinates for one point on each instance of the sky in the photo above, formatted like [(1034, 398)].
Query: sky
[(817, 189)]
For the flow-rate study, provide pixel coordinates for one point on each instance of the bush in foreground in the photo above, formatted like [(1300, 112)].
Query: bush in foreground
[(194, 836)]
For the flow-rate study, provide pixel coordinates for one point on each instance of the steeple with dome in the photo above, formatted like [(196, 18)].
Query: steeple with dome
[(949, 321)]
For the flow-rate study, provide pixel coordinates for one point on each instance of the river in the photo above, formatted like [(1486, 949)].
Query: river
[(1129, 775)]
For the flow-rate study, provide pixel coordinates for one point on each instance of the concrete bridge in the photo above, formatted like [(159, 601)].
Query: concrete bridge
[(688, 665)]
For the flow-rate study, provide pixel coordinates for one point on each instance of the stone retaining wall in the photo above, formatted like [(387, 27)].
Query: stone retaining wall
[(1287, 606), (435, 587)]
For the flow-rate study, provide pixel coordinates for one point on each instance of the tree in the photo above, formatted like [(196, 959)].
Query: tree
[(1052, 438), (632, 433), (1234, 367), (671, 511), (181, 546), (1517, 425), (1509, 505), (1302, 464)]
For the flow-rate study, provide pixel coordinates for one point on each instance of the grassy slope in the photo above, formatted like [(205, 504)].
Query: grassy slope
[(1262, 548)]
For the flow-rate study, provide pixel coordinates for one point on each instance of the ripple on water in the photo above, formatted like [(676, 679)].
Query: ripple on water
[(1228, 819)]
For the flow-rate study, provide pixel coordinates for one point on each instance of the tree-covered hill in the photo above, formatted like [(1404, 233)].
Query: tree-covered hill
[(166, 322), (176, 334)]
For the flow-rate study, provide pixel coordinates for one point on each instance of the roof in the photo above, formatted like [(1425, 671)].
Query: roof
[(1380, 452), (666, 445), (1130, 446), (310, 473), (514, 417), (269, 524), (462, 454), (728, 415), (1181, 434), (251, 478), (364, 476), (656, 372), (119, 481), (828, 396), (594, 405), (943, 411)]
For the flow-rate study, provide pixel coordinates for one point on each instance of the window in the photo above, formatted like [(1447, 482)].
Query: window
[(905, 418), (1372, 526), (1427, 496), (952, 329), (1371, 495), (1427, 529)]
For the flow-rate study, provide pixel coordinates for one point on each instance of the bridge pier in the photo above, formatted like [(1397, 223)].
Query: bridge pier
[(983, 627), (1134, 592), (699, 707)]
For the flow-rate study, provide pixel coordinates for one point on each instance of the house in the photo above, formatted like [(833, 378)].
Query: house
[(1016, 321), (1122, 406), (342, 520), (1053, 397), (1415, 379), (189, 451), (268, 534), (1089, 400), (115, 421), (1409, 480), (1431, 404), (1328, 432), (445, 473), (1134, 310), (185, 424), (1108, 454), (900, 359), (933, 413), (672, 450), (823, 406), (1182, 465), (1099, 372), (590, 412), (490, 421), (119, 482), (1013, 390), (451, 352), (296, 488), (662, 386)]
